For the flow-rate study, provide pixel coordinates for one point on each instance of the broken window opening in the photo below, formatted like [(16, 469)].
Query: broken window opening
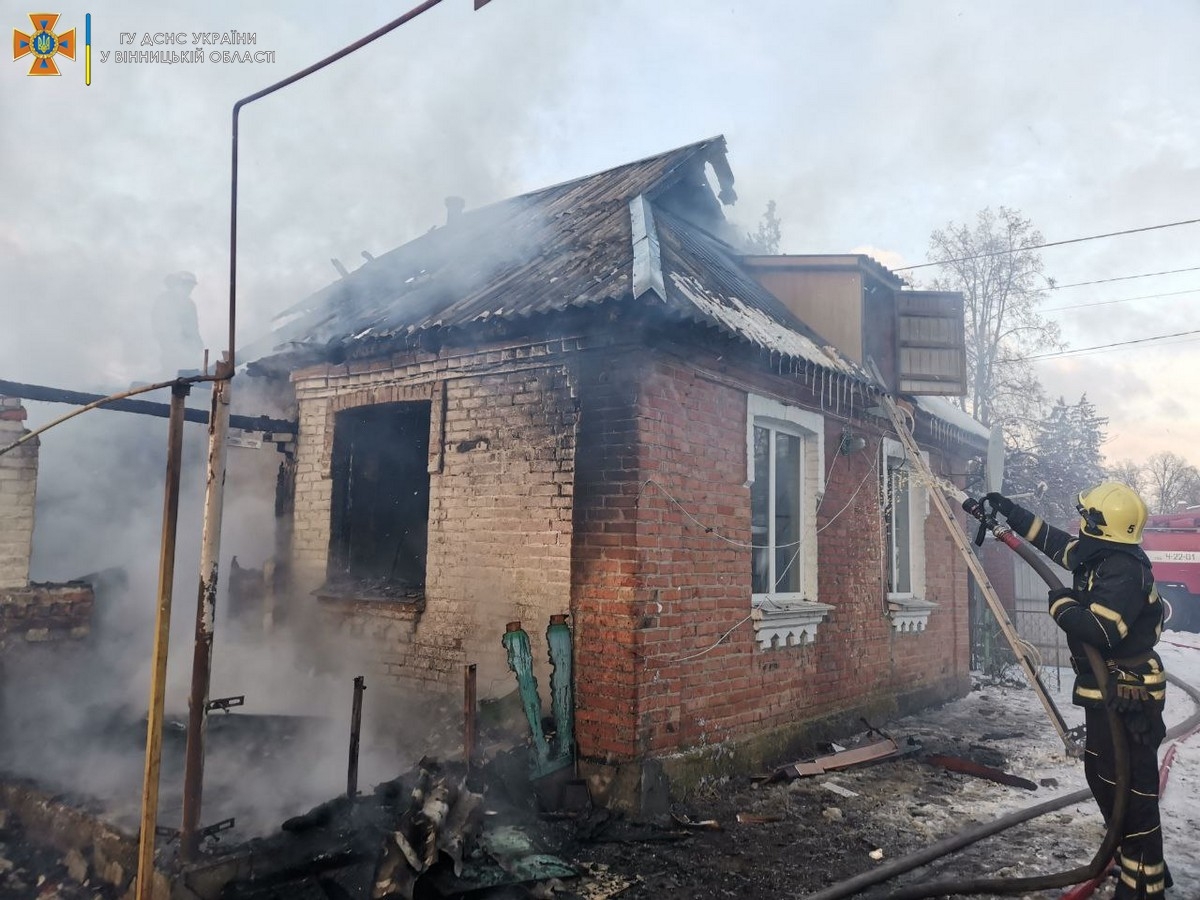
[(379, 519)]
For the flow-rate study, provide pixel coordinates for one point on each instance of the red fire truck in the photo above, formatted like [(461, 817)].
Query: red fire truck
[(1172, 541)]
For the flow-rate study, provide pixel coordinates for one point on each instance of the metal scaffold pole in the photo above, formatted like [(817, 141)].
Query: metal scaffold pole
[(162, 638)]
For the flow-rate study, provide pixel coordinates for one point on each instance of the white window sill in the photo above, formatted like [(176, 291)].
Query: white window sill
[(787, 623), (909, 614)]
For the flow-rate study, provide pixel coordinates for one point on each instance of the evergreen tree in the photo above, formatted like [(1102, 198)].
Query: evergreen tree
[(1065, 456), (765, 241)]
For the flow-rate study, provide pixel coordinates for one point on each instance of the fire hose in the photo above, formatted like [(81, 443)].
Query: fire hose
[(960, 886), (1112, 836)]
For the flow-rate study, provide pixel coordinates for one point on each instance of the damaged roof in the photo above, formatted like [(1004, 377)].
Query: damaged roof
[(648, 230)]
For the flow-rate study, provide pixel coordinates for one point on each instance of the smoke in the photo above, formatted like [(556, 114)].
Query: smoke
[(358, 157)]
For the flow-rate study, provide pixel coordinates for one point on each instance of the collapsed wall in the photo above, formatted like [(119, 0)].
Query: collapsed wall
[(32, 612)]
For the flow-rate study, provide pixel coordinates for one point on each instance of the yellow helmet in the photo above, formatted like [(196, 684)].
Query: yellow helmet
[(1113, 512)]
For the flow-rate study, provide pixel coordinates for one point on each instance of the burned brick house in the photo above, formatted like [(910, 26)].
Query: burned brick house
[(586, 400)]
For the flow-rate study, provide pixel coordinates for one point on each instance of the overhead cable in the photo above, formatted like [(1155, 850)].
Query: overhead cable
[(1059, 287), (1078, 240), (1122, 300), (1081, 350)]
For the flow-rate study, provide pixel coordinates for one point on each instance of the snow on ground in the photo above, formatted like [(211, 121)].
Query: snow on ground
[(1012, 709), (907, 805), (1181, 803)]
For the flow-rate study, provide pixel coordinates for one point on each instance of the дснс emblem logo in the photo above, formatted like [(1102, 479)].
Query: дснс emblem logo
[(44, 44)]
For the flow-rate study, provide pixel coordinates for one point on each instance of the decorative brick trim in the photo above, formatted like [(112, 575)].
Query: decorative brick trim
[(910, 614), (788, 625)]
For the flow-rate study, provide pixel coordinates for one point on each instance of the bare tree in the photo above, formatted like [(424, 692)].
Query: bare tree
[(1129, 473), (1172, 482), (1001, 281)]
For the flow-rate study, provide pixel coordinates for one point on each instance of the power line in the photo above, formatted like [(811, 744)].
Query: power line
[(1081, 350), (1059, 287), (1078, 240), (1122, 300)]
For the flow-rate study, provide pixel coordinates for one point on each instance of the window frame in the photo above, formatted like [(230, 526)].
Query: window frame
[(789, 617), (909, 609)]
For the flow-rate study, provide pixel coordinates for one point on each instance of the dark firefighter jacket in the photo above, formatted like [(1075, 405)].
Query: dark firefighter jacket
[(1115, 609)]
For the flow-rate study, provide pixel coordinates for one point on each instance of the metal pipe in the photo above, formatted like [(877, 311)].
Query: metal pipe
[(44, 394), (162, 637), (258, 95), (355, 733), (218, 427), (470, 693), (206, 603), (104, 401)]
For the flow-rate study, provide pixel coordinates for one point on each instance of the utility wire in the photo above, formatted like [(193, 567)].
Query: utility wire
[(1059, 287), (1122, 300), (1081, 350), (1078, 240)]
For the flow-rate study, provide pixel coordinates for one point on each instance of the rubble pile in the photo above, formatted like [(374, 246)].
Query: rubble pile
[(426, 833), (33, 869)]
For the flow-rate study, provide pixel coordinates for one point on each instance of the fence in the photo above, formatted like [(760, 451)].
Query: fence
[(990, 653)]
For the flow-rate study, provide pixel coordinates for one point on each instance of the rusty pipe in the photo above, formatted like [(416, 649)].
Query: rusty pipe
[(206, 610), (470, 704)]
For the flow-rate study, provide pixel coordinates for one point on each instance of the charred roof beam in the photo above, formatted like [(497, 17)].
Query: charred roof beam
[(42, 393)]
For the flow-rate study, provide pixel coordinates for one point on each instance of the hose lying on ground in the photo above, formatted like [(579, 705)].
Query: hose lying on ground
[(858, 883), (1116, 822), (945, 847)]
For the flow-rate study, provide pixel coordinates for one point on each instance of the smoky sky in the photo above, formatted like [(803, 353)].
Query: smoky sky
[(869, 123)]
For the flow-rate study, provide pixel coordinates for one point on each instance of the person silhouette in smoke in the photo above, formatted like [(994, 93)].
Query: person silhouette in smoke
[(177, 326)]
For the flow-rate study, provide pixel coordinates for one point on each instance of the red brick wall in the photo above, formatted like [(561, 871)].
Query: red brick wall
[(605, 595), (542, 501), (652, 601)]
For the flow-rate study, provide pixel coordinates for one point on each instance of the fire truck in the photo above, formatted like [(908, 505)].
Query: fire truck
[(1172, 541)]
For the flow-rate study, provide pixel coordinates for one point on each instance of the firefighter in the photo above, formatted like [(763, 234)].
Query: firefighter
[(1112, 605), (177, 326)]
